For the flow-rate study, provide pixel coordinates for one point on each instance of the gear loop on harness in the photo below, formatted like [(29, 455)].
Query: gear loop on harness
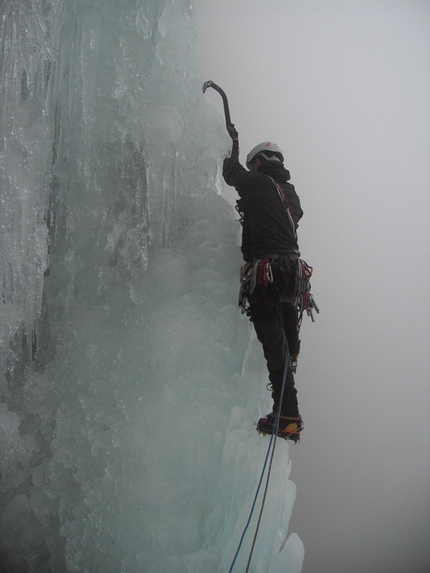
[(303, 299), (259, 271)]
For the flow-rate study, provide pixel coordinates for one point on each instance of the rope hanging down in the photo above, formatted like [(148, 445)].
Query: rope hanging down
[(274, 433)]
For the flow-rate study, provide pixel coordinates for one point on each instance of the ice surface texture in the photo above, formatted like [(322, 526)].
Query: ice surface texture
[(129, 390)]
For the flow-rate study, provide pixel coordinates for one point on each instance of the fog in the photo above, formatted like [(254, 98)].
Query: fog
[(343, 88)]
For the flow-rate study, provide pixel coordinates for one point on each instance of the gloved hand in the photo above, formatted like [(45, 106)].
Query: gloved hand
[(232, 132)]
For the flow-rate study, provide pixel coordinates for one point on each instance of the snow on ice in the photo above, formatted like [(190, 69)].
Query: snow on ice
[(130, 382)]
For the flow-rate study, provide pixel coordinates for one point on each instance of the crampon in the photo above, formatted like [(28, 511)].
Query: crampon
[(289, 427)]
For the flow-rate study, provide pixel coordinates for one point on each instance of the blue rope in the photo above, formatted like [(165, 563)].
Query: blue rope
[(274, 430), (254, 502)]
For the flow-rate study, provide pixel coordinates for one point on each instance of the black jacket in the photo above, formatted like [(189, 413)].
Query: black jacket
[(267, 228)]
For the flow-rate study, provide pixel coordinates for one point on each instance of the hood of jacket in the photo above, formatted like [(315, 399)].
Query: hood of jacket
[(275, 170)]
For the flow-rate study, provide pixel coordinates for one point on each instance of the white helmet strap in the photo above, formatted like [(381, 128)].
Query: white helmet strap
[(269, 157)]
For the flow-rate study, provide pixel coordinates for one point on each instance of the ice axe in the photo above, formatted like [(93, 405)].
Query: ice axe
[(229, 125)]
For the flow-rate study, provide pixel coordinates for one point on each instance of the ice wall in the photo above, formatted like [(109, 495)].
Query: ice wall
[(130, 385)]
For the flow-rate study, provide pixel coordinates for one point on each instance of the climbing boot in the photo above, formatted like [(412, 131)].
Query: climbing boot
[(289, 426)]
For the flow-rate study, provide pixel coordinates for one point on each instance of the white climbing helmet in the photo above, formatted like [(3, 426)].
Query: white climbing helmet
[(261, 148)]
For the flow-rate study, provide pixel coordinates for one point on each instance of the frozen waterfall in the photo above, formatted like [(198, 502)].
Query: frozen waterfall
[(129, 388)]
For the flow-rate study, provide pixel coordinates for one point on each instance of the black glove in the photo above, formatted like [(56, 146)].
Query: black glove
[(232, 132)]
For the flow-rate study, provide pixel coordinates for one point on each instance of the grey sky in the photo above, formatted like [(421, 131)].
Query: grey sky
[(343, 88)]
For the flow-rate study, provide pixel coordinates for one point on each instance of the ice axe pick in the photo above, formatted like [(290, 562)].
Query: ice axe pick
[(211, 84)]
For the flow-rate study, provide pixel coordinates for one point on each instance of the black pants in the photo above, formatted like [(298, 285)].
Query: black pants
[(275, 323)]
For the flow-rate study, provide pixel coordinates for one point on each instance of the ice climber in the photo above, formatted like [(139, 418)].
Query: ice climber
[(270, 211)]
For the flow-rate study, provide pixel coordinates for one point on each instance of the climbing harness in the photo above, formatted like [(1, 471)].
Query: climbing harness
[(271, 452), (260, 272)]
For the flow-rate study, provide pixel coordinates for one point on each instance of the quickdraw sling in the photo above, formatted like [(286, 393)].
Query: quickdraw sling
[(303, 299), (251, 274)]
